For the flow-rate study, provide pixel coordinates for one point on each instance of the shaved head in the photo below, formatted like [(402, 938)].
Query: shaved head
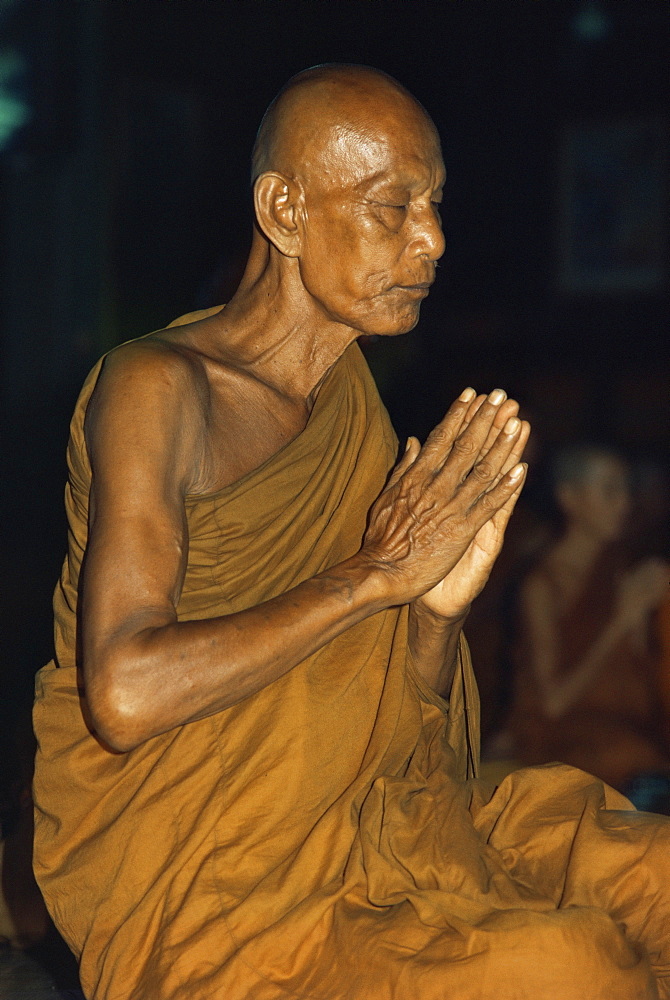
[(348, 177), (323, 107)]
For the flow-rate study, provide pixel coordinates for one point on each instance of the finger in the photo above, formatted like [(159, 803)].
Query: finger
[(489, 470), (512, 438), (502, 411), (518, 447), (503, 515), (479, 467), (509, 408), (412, 449), (441, 439), (467, 448), (473, 407), (489, 504)]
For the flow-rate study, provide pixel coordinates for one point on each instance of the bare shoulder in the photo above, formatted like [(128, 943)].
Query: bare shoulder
[(149, 365), (149, 407)]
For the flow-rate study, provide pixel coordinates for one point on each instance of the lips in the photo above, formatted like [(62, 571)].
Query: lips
[(417, 285), (420, 289)]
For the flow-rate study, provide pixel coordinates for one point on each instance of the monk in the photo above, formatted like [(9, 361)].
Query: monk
[(588, 691), (258, 741)]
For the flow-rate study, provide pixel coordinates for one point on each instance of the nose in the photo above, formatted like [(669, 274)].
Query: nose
[(428, 238)]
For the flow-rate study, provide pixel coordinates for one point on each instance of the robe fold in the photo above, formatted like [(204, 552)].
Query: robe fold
[(327, 838)]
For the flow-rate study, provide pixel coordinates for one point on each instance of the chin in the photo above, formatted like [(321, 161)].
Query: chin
[(388, 326)]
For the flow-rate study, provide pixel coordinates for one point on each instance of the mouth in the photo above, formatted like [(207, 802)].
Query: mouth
[(419, 286)]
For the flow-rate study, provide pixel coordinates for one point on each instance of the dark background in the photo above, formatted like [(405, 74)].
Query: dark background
[(125, 202)]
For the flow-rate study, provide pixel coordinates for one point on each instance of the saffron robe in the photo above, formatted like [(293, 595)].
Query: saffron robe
[(326, 838)]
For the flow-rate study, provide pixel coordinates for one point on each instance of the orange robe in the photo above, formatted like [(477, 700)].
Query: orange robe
[(326, 838)]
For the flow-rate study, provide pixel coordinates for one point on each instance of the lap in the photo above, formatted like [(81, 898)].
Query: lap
[(580, 843)]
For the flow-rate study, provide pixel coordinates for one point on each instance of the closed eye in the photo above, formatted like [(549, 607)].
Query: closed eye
[(391, 216)]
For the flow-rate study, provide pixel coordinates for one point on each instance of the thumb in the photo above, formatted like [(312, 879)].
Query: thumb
[(412, 449)]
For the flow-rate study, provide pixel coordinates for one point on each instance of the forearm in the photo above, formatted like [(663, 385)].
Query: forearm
[(564, 691), (433, 645), (166, 675)]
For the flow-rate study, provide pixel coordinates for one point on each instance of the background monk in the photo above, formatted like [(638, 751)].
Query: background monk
[(588, 690), (248, 784)]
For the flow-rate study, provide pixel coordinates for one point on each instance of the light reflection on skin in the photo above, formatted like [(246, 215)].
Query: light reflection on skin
[(384, 208)]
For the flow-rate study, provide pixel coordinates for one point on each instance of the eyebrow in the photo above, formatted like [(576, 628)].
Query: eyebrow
[(405, 181)]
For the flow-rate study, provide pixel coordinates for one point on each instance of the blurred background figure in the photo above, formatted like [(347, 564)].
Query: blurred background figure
[(587, 678)]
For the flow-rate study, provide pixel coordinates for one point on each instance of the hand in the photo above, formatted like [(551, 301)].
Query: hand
[(641, 590), (449, 501), (451, 597)]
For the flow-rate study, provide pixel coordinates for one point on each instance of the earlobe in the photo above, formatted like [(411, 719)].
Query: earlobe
[(276, 201)]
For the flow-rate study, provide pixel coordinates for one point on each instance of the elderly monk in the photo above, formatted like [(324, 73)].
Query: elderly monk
[(258, 740)]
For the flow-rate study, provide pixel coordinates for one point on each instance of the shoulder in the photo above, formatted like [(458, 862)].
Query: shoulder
[(148, 373), (154, 357), (147, 411), (166, 361)]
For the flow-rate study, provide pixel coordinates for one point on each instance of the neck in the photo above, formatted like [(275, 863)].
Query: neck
[(272, 329)]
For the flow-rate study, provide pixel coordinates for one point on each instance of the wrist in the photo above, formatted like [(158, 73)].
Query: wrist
[(434, 620), (369, 582)]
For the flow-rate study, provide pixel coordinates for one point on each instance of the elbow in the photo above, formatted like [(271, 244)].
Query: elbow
[(112, 711)]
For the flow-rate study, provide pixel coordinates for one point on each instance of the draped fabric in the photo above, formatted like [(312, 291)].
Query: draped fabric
[(326, 838)]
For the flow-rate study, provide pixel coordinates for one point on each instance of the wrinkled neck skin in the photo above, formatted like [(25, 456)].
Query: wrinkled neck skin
[(273, 329)]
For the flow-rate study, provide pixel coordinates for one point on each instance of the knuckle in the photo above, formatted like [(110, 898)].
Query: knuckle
[(488, 503), (464, 446), (439, 436), (484, 472)]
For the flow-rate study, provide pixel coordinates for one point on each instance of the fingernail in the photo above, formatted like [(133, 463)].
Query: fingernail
[(517, 471), (512, 425), (497, 396), (467, 395), (409, 441)]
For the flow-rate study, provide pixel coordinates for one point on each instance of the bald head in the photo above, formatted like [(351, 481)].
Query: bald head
[(326, 107), (348, 176)]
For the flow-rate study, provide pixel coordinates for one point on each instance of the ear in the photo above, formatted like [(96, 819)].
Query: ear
[(277, 201)]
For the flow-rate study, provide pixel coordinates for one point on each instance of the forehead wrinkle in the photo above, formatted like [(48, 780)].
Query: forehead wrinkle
[(403, 176), (349, 158), (317, 98), (333, 126)]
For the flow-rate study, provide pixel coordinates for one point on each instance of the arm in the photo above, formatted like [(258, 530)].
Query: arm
[(640, 590), (433, 645), (146, 672)]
